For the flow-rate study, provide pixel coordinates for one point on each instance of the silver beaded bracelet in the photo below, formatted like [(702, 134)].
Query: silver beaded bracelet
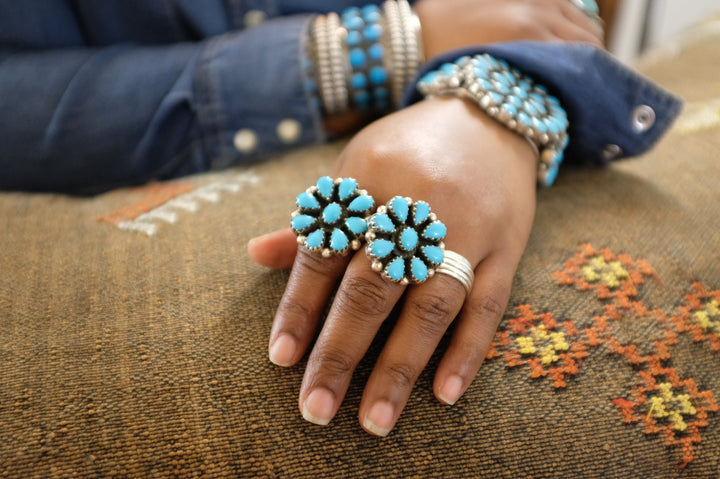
[(330, 68)]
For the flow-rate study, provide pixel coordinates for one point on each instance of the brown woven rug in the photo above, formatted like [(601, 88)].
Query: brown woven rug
[(133, 329)]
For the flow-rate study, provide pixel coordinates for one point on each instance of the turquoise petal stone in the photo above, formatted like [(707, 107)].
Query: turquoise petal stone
[(332, 213), (383, 222), (422, 211), (300, 222), (338, 240), (400, 207), (524, 119), (325, 186), (361, 203), (306, 200), (419, 270), (396, 269), (409, 239), (315, 239), (435, 231), (346, 188), (356, 225), (381, 248), (434, 254)]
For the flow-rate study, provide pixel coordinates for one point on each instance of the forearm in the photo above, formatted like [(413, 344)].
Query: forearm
[(87, 120)]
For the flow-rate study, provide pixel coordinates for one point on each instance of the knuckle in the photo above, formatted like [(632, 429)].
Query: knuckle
[(313, 263), (296, 311), (401, 375), (362, 297), (489, 306), (433, 313), (334, 362)]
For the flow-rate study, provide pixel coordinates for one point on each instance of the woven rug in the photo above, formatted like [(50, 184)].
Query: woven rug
[(134, 328)]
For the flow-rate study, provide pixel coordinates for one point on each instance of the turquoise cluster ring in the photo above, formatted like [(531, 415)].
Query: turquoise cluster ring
[(405, 241), (331, 216)]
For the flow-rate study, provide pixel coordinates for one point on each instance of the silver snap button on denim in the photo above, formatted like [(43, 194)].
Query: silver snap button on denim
[(611, 152), (643, 118), (253, 18)]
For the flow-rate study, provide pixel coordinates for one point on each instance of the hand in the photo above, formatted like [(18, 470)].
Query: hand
[(479, 178), (449, 24)]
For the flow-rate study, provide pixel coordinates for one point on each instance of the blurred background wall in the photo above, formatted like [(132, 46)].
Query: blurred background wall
[(633, 26)]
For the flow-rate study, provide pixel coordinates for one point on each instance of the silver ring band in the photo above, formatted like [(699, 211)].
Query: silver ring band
[(458, 267)]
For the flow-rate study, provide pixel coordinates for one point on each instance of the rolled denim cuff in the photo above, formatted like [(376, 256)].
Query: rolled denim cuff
[(251, 95), (614, 112)]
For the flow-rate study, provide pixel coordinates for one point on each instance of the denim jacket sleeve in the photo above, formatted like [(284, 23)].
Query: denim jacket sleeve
[(613, 111), (90, 119), (97, 99)]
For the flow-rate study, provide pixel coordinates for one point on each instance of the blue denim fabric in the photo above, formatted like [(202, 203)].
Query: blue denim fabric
[(95, 95)]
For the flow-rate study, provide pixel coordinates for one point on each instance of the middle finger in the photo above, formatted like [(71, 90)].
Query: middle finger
[(361, 304)]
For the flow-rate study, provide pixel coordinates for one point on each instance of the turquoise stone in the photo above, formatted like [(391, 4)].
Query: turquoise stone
[(325, 186), (372, 32), (396, 269), (539, 106), (380, 93), (357, 58), (361, 98), (338, 240), (553, 125), (448, 69), (332, 213), (501, 88), (400, 207), (530, 108), (375, 52), (315, 239), (435, 231), (481, 71), (346, 188), (419, 270), (538, 124), (509, 109), (353, 38), (372, 16), (551, 175), (495, 98), (358, 81), (429, 77), (383, 222), (484, 84), (370, 8), (514, 101), (377, 75), (422, 211), (306, 200), (353, 22), (361, 203), (300, 222), (356, 225), (409, 239), (381, 248), (519, 92), (524, 119), (434, 254)]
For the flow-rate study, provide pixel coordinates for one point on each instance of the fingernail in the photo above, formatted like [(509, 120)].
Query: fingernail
[(380, 419), (451, 391), (251, 242), (319, 406), (282, 350)]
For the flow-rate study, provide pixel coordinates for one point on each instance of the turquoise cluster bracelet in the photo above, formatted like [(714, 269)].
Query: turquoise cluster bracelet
[(511, 98)]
